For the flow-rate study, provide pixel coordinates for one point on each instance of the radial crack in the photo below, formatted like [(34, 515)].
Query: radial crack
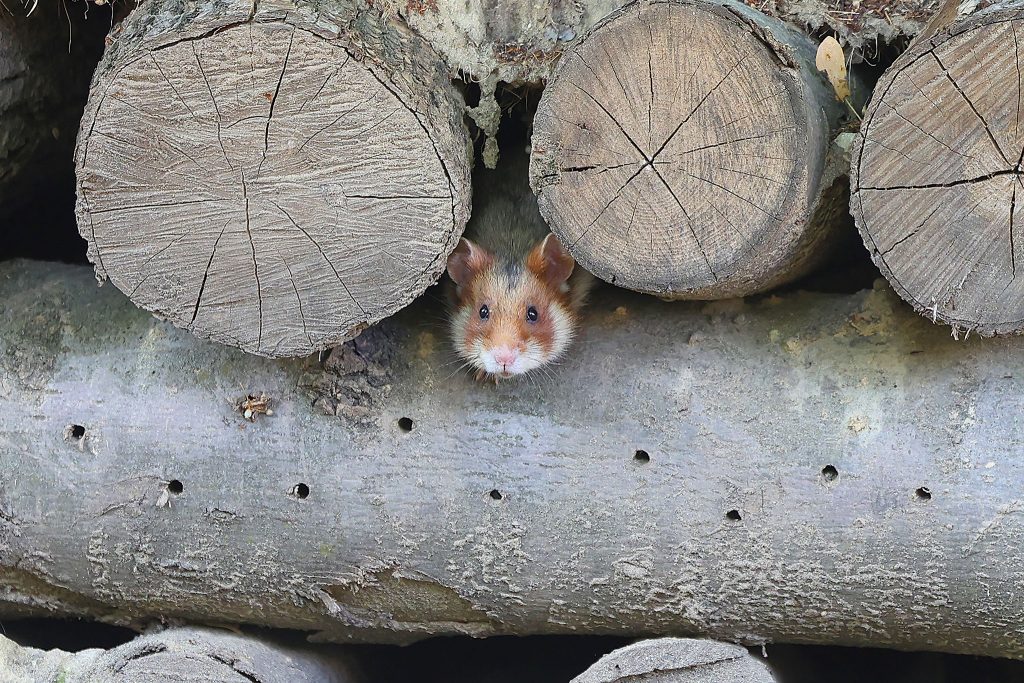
[(698, 106), (273, 103), (322, 253), (970, 104), (213, 99), (689, 223), (255, 265), (206, 274)]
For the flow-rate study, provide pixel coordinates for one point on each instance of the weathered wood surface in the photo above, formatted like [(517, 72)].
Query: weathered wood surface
[(268, 177), (936, 177), (178, 655), (807, 468), (691, 169), (677, 660)]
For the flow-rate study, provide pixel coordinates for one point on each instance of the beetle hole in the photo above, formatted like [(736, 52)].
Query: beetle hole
[(733, 515), (495, 494), (405, 424), (76, 431), (923, 493), (830, 473), (175, 486), (642, 456), (300, 491)]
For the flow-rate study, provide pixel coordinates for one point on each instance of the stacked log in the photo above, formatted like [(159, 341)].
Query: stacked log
[(180, 654), (936, 176), (269, 178), (690, 169), (639, 492)]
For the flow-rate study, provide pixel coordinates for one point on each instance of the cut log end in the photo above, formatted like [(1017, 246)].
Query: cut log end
[(937, 177), (261, 187), (683, 168)]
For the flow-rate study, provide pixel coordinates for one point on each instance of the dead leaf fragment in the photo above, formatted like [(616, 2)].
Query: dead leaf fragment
[(832, 61)]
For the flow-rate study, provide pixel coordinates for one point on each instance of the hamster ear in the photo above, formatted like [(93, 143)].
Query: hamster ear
[(467, 261), (550, 261)]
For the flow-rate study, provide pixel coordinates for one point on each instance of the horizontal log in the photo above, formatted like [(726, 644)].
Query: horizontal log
[(273, 178), (937, 186), (695, 169), (179, 654), (808, 468)]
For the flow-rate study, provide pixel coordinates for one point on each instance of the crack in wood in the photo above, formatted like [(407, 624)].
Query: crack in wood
[(335, 121), (970, 104), (1013, 255), (273, 103), (206, 274), (324, 84), (699, 105), (689, 223), (925, 132), (216, 109), (181, 99), (322, 253), (953, 183), (132, 207), (255, 264)]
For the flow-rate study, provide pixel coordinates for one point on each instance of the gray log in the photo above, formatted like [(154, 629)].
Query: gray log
[(271, 177), (677, 660), (178, 655), (694, 169), (808, 468)]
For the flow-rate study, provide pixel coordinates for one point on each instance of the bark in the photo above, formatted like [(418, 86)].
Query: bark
[(271, 177), (178, 654), (936, 172), (808, 468), (515, 41), (691, 169), (677, 660)]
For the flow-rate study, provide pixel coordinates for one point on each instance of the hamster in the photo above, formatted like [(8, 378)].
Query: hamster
[(517, 292)]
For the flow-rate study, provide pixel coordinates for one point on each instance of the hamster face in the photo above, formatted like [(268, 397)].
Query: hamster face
[(511, 317)]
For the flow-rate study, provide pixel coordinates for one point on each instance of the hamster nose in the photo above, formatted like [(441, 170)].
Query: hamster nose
[(505, 356)]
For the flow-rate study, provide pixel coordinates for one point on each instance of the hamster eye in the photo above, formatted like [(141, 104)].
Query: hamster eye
[(531, 314), (485, 312)]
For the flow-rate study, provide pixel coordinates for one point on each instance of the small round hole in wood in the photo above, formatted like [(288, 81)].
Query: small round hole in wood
[(75, 431), (923, 493), (176, 487), (300, 491), (406, 424), (642, 456), (733, 515), (829, 473), (495, 494)]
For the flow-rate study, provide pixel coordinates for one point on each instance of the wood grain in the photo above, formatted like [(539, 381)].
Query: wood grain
[(686, 168), (937, 186), (262, 186)]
